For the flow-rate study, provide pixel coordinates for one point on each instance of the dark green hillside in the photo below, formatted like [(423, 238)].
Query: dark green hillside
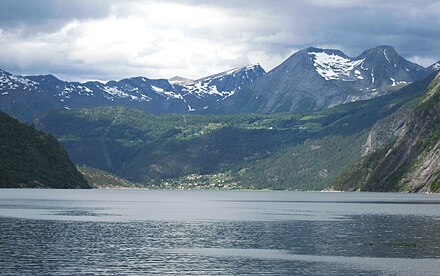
[(30, 158), (307, 166), (141, 146), (255, 149), (411, 162)]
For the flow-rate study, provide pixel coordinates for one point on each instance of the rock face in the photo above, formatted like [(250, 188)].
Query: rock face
[(425, 176), (410, 161), (30, 159), (387, 130), (315, 78)]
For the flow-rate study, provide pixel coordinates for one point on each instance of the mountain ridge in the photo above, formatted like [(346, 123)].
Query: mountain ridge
[(27, 96), (315, 78), (308, 80)]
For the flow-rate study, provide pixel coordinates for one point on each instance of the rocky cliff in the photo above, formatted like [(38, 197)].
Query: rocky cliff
[(402, 152)]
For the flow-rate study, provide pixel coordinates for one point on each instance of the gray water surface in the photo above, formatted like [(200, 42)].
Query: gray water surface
[(133, 232)]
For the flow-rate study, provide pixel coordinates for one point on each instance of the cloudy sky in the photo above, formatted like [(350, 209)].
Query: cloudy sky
[(108, 39)]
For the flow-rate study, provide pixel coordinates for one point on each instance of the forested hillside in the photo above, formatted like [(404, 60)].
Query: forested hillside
[(30, 158)]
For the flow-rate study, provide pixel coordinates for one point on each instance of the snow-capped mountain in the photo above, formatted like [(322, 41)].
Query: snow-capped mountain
[(208, 91), (374, 69), (314, 78), (224, 84), (27, 96), (435, 66), (11, 82), (310, 79), (384, 67)]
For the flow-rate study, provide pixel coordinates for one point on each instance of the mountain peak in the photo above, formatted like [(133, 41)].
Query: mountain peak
[(335, 52), (179, 80), (435, 66), (384, 47), (384, 52), (224, 84), (4, 73), (389, 50), (251, 67), (47, 77)]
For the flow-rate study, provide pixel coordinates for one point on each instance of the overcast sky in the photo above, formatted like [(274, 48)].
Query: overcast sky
[(105, 39)]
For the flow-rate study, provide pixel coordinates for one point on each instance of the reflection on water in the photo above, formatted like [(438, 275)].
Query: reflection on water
[(116, 232)]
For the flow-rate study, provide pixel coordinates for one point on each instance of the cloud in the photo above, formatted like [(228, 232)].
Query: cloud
[(422, 60), (24, 12), (81, 40)]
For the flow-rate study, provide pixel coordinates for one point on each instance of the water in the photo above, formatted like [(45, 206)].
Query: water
[(133, 232)]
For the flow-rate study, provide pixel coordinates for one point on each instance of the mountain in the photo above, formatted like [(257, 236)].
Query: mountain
[(33, 159), (408, 159), (310, 79), (213, 90), (316, 78), (435, 66), (279, 151), (179, 80), (27, 96)]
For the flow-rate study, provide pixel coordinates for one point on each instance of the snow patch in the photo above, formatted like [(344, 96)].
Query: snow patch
[(85, 90), (335, 67), (363, 68), (12, 82), (157, 89), (202, 89), (115, 92), (385, 54), (168, 94), (358, 74), (396, 83)]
